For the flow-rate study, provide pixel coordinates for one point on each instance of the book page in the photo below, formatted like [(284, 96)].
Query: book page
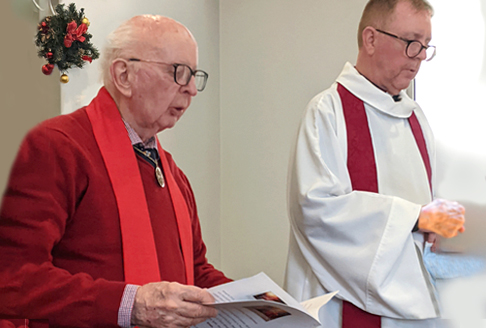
[(259, 302)]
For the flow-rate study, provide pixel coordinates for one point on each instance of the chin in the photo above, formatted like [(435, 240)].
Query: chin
[(169, 125), (403, 85)]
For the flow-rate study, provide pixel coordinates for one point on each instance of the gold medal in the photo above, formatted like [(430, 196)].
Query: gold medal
[(159, 176)]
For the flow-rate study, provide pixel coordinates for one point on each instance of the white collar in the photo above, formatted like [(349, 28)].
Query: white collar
[(362, 88)]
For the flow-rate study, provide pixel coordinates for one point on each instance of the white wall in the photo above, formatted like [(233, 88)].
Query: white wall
[(451, 88), (275, 56), (457, 118)]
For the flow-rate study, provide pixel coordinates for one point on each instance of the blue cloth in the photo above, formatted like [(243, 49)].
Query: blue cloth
[(452, 265)]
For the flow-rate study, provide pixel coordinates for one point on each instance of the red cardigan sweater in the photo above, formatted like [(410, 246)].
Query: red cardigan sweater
[(60, 240)]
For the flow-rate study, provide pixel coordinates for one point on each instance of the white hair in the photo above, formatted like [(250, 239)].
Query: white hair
[(117, 43), (125, 41)]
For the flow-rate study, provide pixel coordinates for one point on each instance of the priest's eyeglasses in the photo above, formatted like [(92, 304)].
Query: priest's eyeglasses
[(414, 47), (182, 73)]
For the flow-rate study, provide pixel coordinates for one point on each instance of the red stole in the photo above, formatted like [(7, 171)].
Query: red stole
[(182, 217), (362, 171), (139, 253)]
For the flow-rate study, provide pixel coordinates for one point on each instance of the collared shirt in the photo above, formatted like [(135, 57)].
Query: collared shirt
[(135, 138)]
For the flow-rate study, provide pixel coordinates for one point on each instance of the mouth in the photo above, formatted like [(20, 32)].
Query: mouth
[(177, 111), (411, 72)]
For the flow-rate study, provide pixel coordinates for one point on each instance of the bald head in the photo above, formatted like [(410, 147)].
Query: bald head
[(144, 61), (152, 33), (378, 13), (146, 27)]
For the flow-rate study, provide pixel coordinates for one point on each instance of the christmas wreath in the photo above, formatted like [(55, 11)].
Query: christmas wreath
[(63, 40)]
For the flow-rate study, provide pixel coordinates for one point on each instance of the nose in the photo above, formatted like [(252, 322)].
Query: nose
[(190, 87), (422, 54)]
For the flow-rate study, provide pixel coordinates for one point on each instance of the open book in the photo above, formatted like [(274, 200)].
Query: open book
[(259, 302)]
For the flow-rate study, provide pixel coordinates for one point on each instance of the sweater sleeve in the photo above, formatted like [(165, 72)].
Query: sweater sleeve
[(45, 186)]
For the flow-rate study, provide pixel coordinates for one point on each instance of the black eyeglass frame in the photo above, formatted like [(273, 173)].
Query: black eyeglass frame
[(409, 42), (193, 73)]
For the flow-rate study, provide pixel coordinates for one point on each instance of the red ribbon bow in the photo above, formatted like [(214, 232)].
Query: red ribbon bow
[(87, 58), (74, 33)]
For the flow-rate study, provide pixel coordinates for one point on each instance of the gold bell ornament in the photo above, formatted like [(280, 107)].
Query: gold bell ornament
[(64, 78)]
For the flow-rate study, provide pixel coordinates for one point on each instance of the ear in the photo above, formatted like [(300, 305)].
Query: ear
[(119, 71), (369, 40)]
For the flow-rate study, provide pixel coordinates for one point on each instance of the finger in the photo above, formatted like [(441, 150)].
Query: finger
[(195, 310), (431, 237), (197, 295)]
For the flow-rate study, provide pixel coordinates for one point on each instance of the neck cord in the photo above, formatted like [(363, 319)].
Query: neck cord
[(159, 176)]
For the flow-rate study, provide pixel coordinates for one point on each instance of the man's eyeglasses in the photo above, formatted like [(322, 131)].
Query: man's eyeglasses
[(183, 73), (414, 47)]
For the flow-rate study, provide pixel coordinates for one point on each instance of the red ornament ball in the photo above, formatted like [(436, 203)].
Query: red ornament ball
[(49, 55), (47, 69)]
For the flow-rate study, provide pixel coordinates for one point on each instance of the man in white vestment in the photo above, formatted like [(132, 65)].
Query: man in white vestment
[(361, 183)]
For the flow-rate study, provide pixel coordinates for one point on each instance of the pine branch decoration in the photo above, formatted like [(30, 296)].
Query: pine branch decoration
[(63, 40)]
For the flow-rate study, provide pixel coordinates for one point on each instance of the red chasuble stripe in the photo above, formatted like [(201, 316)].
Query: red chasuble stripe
[(362, 171), (361, 159), (420, 140), (139, 253), (182, 216)]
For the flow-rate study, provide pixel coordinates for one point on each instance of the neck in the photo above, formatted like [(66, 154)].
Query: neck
[(143, 133), (368, 74)]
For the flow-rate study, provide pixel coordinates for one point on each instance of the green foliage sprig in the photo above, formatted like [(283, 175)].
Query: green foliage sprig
[(63, 40)]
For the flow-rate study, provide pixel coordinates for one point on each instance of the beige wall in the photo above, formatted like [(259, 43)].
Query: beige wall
[(275, 56), (26, 95)]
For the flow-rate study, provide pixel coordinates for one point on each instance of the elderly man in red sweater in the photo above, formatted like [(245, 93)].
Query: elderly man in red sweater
[(98, 225)]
